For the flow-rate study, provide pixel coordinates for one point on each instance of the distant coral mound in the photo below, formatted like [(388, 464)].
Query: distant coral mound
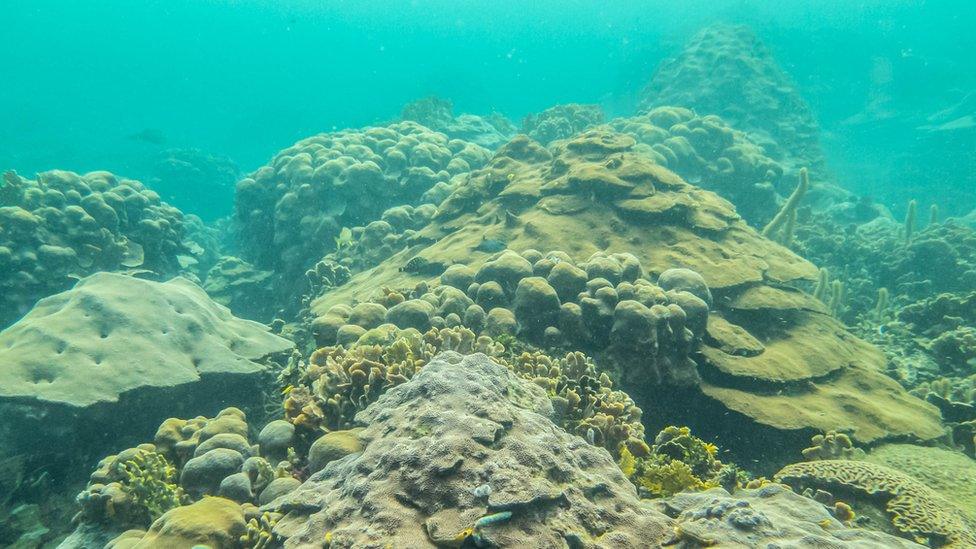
[(115, 354), (726, 70), (437, 114), (63, 226), (561, 121), (195, 181)]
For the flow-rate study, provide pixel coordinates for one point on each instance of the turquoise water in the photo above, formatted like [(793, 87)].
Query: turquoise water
[(712, 265), (244, 79)]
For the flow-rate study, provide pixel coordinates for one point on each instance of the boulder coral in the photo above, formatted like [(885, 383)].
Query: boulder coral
[(459, 424), (62, 226), (199, 467), (87, 365), (726, 70), (291, 212)]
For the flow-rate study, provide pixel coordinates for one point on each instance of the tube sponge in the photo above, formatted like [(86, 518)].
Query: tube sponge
[(780, 228)]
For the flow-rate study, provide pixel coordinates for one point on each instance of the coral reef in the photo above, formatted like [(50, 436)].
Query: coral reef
[(913, 298), (676, 462), (726, 70), (916, 511), (595, 193), (62, 226), (438, 114), (200, 468), (245, 290), (949, 473), (339, 382), (458, 424), (87, 365), (603, 305), (706, 151), (461, 445), (291, 212), (561, 121), (768, 516)]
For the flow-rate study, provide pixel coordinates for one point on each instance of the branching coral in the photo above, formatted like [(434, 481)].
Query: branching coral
[(832, 445), (151, 483), (677, 461)]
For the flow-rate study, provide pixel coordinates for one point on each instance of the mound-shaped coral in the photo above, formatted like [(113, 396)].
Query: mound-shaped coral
[(63, 226), (561, 121), (706, 151), (594, 194), (195, 181), (438, 114), (915, 510), (291, 212), (726, 70), (115, 353), (458, 425)]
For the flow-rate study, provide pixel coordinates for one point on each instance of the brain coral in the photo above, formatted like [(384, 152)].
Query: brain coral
[(292, 211), (63, 226), (113, 343), (915, 510)]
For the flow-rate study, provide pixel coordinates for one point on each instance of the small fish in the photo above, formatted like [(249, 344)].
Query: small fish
[(287, 389), (344, 240), (591, 436), (491, 245), (148, 135), (495, 518)]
